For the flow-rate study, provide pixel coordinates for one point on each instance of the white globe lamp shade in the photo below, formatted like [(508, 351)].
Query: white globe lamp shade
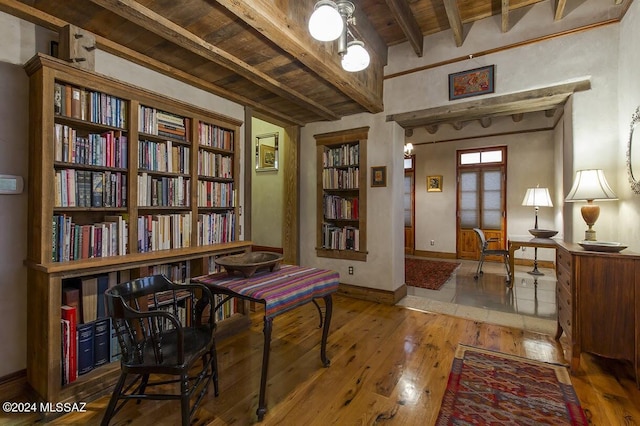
[(357, 58), (325, 23)]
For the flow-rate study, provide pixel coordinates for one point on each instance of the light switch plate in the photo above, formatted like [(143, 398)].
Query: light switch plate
[(10, 184)]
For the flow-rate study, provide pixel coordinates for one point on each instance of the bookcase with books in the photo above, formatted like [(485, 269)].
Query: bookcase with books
[(123, 183), (342, 178)]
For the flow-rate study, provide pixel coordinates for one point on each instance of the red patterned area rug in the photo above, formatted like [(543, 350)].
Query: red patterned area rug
[(428, 274), (492, 388)]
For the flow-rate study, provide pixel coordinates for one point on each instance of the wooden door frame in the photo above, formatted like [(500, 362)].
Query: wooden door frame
[(479, 168), (412, 171)]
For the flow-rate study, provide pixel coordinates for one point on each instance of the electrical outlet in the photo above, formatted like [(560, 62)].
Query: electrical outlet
[(432, 242), (350, 270)]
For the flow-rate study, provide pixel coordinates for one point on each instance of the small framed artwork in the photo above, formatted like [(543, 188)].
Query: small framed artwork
[(434, 183), (267, 152), (478, 81), (379, 176)]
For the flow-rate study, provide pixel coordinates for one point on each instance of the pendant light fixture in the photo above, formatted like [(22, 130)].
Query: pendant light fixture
[(330, 21)]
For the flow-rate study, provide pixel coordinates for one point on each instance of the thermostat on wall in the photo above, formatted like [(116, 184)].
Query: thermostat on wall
[(10, 184)]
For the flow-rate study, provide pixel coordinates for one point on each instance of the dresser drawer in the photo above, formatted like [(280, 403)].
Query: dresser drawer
[(564, 316), (563, 259), (563, 277)]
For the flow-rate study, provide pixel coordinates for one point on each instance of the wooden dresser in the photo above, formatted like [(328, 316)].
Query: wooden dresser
[(598, 301)]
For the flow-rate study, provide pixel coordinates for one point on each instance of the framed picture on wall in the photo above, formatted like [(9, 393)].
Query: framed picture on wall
[(434, 183), (379, 176), (267, 152), (478, 81)]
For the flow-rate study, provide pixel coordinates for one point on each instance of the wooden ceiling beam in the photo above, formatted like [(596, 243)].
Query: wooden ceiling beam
[(505, 16), (153, 22), (455, 22), (514, 103), (44, 20), (560, 5), (407, 21), (290, 34)]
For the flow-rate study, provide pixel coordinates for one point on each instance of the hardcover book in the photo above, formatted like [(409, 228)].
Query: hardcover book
[(101, 342), (85, 348)]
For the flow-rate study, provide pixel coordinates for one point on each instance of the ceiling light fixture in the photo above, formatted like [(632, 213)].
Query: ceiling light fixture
[(330, 21)]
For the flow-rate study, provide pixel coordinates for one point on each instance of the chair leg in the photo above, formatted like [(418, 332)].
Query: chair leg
[(506, 265), (113, 400), (214, 370), (184, 399), (142, 387), (479, 268)]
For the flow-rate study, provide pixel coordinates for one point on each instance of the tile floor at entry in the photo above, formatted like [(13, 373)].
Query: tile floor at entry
[(526, 305)]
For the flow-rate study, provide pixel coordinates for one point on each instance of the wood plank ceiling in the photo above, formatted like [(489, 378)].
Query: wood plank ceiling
[(259, 53)]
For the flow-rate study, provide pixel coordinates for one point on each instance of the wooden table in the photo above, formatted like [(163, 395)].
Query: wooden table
[(517, 241), (280, 291)]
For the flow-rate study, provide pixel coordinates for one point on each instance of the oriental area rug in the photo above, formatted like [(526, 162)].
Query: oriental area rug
[(427, 274), (492, 388)]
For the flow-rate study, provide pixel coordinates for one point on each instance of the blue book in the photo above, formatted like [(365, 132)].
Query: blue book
[(103, 285), (85, 348), (101, 341)]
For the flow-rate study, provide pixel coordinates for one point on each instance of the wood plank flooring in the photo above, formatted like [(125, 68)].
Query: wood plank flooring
[(389, 366)]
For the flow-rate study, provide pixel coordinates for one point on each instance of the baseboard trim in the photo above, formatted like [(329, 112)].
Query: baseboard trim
[(14, 385), (434, 254), (385, 297), (541, 263)]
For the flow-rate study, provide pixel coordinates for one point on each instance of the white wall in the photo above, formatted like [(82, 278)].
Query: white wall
[(267, 192), (20, 41), (629, 100), (551, 62), (530, 162), (384, 266)]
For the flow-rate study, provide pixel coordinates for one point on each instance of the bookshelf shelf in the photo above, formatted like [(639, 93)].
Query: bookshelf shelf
[(341, 182), (86, 137)]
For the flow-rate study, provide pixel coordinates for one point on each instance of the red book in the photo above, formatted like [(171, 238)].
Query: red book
[(70, 314)]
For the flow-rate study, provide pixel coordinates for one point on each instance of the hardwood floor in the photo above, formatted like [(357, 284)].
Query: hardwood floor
[(389, 365)]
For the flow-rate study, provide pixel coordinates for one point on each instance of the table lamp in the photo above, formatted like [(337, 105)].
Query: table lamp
[(537, 197), (590, 185)]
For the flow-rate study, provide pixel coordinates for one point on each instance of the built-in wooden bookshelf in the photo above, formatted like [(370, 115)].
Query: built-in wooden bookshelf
[(342, 194), (120, 180)]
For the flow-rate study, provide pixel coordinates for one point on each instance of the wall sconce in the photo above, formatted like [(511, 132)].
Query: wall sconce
[(408, 149), (329, 21), (590, 185)]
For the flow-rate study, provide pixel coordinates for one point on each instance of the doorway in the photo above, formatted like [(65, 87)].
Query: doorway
[(409, 205), (271, 185), (481, 199)]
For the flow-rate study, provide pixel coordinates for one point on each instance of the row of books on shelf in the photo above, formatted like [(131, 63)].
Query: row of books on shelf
[(215, 137), (167, 191), (336, 207), (83, 104), (216, 228), (85, 188), (161, 123), (215, 194), (107, 149), (163, 156), (344, 155), (178, 272), (163, 232), (341, 178), (340, 238), (72, 241), (215, 165), (87, 336)]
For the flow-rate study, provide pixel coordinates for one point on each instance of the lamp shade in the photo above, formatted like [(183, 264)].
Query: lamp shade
[(357, 58), (590, 185), (326, 23), (537, 197)]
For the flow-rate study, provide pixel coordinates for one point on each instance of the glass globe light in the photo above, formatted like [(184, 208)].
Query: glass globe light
[(325, 23), (357, 58)]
